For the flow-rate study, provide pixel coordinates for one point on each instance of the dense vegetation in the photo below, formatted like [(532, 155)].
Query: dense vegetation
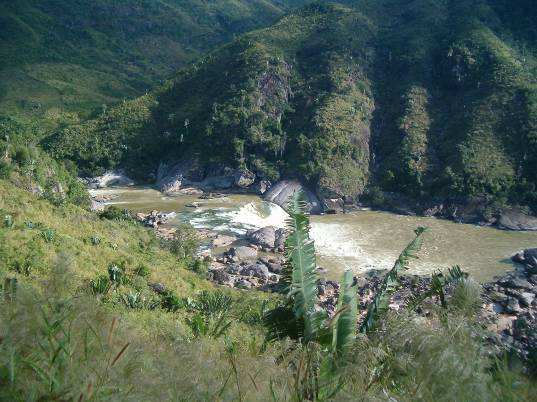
[(430, 99), (26, 165), (63, 60), (80, 321)]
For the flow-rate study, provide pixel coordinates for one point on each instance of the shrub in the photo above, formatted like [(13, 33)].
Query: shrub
[(200, 266), (101, 285), (142, 270), (8, 221), (116, 274), (212, 314), (185, 242), (5, 169), (170, 301), (138, 300), (95, 240), (48, 235), (21, 155), (114, 213)]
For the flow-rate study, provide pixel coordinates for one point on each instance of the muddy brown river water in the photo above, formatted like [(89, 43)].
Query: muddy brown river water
[(360, 240)]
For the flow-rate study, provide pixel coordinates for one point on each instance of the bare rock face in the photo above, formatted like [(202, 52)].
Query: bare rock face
[(109, 179), (516, 220), (171, 178), (281, 193), (174, 177)]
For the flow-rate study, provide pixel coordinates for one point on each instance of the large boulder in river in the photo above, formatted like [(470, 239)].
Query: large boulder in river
[(516, 220), (282, 192), (243, 178)]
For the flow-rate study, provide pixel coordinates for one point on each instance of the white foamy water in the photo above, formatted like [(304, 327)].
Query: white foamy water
[(237, 220), (259, 215), (341, 245)]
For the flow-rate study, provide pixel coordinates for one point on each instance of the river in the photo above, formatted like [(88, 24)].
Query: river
[(361, 240)]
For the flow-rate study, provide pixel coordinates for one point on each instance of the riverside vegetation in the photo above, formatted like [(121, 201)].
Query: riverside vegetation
[(99, 309), (430, 99)]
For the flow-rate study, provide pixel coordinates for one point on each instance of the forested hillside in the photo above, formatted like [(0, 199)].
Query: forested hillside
[(61, 59), (430, 99)]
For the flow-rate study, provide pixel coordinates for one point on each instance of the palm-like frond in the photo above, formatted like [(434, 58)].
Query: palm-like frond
[(439, 281), (344, 322), (380, 304), (300, 253)]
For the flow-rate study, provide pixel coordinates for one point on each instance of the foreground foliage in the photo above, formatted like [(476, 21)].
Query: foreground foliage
[(79, 322)]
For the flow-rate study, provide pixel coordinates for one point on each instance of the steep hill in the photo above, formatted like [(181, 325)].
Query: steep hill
[(433, 99), (58, 57)]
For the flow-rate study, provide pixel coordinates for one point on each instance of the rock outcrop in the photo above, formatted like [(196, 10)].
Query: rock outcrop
[(189, 172), (517, 220), (109, 179)]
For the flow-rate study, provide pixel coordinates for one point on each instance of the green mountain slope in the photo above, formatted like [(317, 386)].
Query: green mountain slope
[(430, 98), (59, 57)]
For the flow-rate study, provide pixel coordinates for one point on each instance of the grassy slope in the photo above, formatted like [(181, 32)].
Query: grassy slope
[(58, 57), (160, 341), (164, 360)]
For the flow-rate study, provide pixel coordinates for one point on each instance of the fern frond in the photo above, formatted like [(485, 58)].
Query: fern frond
[(380, 303)]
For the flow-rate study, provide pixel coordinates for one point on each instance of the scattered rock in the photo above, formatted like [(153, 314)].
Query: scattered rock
[(280, 238), (518, 257), (243, 284), (515, 282), (233, 269), (155, 218), (212, 196), (158, 288), (221, 277), (530, 256), (223, 240), (264, 237), (257, 270), (526, 298), (242, 253)]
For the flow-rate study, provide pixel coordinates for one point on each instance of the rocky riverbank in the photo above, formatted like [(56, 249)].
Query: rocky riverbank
[(189, 176), (478, 211), (508, 304)]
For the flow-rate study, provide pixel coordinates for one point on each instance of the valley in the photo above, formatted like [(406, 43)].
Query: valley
[(253, 200)]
